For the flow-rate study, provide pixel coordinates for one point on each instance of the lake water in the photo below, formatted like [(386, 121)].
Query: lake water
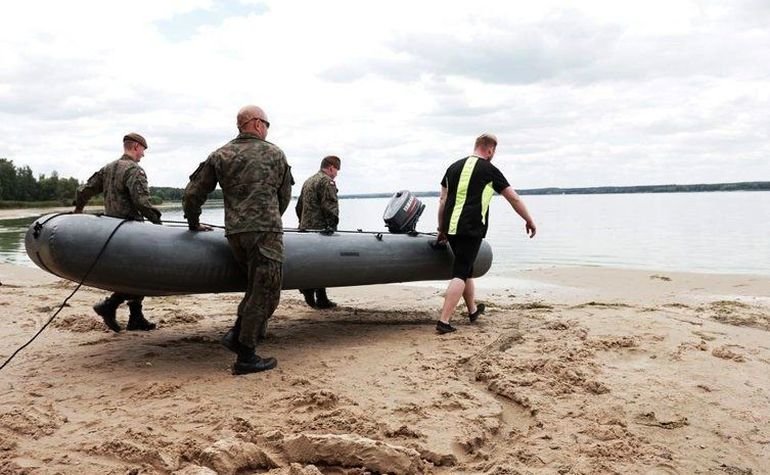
[(721, 232)]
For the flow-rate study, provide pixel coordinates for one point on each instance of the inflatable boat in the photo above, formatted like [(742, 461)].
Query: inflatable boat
[(146, 259)]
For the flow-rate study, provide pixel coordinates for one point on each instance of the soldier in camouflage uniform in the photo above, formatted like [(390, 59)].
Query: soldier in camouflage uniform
[(318, 208), (126, 195), (256, 183)]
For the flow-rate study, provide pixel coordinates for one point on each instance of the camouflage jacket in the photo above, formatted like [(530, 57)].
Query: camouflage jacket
[(317, 206), (124, 185), (256, 183)]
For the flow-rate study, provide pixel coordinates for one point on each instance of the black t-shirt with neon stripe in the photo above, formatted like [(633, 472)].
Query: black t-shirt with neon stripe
[(471, 182)]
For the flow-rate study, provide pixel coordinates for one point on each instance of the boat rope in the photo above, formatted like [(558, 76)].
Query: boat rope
[(322, 231), (38, 227)]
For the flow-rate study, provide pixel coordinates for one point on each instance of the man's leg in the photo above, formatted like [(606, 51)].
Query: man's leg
[(258, 304), (309, 295), (262, 297), (322, 300), (465, 250), (454, 291), (136, 320), (230, 339), (452, 296), (107, 309), (469, 295)]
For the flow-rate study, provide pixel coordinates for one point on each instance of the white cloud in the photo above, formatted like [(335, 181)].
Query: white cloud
[(600, 93)]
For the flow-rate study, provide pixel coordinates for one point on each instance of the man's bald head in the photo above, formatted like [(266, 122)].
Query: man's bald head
[(248, 114)]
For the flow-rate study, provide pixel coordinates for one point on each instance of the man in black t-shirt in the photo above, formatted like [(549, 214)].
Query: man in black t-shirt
[(463, 218)]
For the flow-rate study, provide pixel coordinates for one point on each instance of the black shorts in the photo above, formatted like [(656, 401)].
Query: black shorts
[(465, 249)]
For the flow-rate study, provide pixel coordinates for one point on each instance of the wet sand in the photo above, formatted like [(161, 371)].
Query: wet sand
[(582, 370)]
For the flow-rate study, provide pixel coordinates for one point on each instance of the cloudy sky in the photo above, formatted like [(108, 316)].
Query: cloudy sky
[(585, 93)]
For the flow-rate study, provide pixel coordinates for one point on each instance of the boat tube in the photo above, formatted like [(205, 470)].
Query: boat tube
[(147, 259)]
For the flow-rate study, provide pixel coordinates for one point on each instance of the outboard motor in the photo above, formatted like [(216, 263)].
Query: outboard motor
[(402, 212)]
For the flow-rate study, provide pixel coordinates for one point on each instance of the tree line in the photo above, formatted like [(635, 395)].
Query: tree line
[(18, 185)]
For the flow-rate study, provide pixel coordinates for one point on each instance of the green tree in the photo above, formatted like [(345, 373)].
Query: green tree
[(7, 180), (65, 190), (47, 187), (26, 185)]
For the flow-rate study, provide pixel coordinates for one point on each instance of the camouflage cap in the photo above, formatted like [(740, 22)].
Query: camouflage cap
[(134, 137)]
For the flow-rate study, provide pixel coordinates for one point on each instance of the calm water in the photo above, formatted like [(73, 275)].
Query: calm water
[(698, 232)]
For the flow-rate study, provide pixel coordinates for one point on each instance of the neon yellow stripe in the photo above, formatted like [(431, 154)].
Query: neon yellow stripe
[(462, 193), (486, 198)]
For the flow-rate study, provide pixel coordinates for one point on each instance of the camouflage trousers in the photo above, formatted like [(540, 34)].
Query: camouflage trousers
[(263, 290)]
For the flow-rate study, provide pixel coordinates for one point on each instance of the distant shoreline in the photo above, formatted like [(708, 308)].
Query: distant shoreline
[(703, 187)]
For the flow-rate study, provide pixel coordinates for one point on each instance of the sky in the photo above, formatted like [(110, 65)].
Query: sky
[(589, 93)]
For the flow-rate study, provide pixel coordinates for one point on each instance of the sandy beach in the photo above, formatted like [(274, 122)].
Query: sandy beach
[(582, 370)]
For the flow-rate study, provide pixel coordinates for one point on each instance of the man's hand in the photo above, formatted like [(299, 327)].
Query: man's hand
[(155, 218), (441, 237), (531, 229), (200, 227)]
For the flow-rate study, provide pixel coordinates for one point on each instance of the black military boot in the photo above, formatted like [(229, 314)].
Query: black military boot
[(322, 301), (136, 320), (106, 309), (309, 296), (249, 362), (230, 340)]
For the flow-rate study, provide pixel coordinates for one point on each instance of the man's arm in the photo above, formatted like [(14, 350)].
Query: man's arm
[(298, 208), (202, 182), (140, 194), (441, 205), (284, 192), (330, 208), (521, 209), (93, 186)]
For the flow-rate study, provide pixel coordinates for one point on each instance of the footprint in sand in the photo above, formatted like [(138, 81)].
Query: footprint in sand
[(727, 354), (650, 419)]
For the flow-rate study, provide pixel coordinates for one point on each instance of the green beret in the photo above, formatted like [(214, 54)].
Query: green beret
[(134, 137)]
